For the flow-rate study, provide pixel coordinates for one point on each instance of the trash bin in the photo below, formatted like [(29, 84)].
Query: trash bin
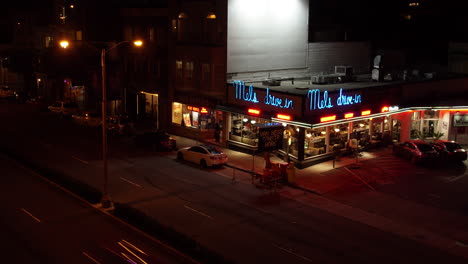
[(291, 172)]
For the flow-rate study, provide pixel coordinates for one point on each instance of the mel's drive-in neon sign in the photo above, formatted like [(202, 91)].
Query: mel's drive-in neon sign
[(249, 95), (319, 100)]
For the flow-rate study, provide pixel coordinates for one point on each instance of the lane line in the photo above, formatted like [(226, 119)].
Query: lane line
[(292, 253), (84, 161), (198, 212), (91, 258), (28, 213), (135, 184)]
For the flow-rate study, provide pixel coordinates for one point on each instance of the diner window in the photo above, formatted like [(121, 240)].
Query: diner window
[(291, 139), (430, 123), (361, 131), (415, 125), (339, 137), (315, 142), (244, 129)]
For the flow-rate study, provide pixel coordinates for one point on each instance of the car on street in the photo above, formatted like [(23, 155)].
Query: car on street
[(158, 140), (449, 150), (6, 92), (64, 108), (417, 151), (205, 155), (121, 125), (88, 118)]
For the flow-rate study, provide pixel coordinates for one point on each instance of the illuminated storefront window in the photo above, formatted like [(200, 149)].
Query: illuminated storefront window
[(193, 116), (361, 131), (243, 128), (291, 140), (315, 142), (339, 137)]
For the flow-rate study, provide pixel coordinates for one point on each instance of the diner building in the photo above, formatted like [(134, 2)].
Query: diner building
[(323, 120)]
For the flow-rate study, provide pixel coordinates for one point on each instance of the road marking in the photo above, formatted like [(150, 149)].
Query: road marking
[(135, 184), (196, 211), (28, 213), (461, 244), (91, 258), (84, 161), (291, 252), (456, 178)]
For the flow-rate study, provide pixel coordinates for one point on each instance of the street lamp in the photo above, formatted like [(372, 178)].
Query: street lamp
[(106, 201)]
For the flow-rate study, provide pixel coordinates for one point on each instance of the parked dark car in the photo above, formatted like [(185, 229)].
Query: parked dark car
[(156, 140), (417, 151), (449, 150)]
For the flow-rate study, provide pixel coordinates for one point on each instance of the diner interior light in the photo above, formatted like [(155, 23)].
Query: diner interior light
[(309, 135), (253, 111), (245, 120), (337, 130), (366, 112), (297, 129), (327, 118), (284, 124), (361, 125), (284, 117), (323, 132), (253, 121)]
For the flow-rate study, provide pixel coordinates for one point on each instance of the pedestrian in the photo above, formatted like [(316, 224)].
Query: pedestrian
[(217, 132)]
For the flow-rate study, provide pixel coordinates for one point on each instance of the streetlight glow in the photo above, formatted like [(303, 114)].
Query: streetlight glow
[(64, 44), (138, 43)]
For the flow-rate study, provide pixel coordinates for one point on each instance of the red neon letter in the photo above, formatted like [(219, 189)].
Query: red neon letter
[(385, 109), (253, 111), (284, 117), (327, 118), (367, 112), (348, 115)]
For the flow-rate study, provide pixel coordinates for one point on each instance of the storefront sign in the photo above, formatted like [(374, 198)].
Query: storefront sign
[(270, 137), (266, 100), (460, 120), (319, 100), (249, 95)]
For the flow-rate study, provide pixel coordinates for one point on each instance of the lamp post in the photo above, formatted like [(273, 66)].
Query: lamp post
[(106, 201)]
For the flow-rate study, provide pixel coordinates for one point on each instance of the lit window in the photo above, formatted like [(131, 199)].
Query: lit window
[(211, 16), (189, 70), (206, 71), (179, 69)]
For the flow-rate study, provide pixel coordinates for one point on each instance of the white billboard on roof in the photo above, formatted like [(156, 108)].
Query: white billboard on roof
[(267, 34)]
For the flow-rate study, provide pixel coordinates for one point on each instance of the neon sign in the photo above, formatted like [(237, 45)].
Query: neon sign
[(249, 95), (203, 110), (348, 115), (385, 109), (366, 112), (317, 100), (328, 118), (284, 117), (253, 111)]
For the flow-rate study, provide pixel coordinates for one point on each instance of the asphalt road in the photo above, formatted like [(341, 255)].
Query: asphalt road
[(242, 223), (42, 223)]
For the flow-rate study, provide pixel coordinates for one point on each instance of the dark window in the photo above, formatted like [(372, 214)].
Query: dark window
[(452, 146), (424, 147)]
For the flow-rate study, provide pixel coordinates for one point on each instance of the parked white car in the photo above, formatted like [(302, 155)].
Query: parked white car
[(64, 108), (205, 155), (88, 118)]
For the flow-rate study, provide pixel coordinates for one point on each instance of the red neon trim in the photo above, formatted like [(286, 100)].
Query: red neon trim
[(385, 109), (284, 117), (253, 111), (367, 112), (348, 115), (327, 118), (455, 110), (196, 109), (203, 110), (189, 107)]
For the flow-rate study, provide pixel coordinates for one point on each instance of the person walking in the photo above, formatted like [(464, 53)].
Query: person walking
[(217, 132)]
